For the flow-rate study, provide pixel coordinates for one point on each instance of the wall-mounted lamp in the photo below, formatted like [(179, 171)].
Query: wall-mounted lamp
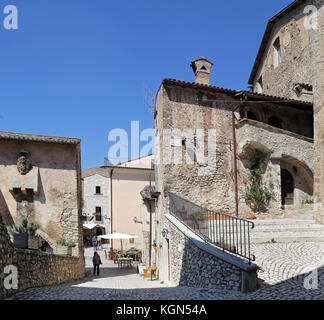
[(137, 221)]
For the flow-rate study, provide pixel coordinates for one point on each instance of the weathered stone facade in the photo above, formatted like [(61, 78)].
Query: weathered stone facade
[(317, 47), (180, 107), (49, 192), (282, 135), (283, 150), (300, 28), (293, 77)]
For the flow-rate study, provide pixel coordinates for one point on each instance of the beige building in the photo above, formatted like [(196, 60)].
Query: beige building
[(41, 181), (120, 203)]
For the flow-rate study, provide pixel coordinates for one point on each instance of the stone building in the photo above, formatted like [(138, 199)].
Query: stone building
[(41, 181), (270, 127), (264, 130), (290, 64)]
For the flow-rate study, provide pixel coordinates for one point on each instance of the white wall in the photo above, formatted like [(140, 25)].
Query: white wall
[(92, 200)]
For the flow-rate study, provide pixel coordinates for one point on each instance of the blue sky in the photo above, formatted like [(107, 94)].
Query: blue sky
[(79, 68)]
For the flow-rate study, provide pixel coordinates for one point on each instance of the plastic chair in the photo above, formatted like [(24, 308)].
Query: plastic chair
[(150, 273)]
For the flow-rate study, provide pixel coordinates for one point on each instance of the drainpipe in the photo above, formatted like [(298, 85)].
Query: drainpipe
[(150, 252), (235, 157), (150, 246), (111, 207)]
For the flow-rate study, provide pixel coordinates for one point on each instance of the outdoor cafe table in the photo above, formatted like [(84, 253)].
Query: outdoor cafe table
[(125, 261), (133, 254)]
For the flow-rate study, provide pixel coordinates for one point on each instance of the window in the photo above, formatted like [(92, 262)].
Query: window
[(98, 214), (275, 122), (131, 241), (277, 55), (98, 190)]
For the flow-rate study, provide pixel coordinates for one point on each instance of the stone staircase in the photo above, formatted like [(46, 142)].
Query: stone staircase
[(295, 228)]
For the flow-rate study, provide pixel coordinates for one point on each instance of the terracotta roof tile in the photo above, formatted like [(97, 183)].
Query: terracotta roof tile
[(37, 138), (233, 92)]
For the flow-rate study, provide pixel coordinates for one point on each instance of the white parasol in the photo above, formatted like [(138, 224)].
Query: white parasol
[(117, 236)]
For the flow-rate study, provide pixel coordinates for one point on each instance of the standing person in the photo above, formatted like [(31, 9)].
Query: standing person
[(99, 243), (94, 243), (96, 263)]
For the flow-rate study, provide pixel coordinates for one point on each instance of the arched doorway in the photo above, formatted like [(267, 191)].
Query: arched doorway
[(287, 187), (99, 232)]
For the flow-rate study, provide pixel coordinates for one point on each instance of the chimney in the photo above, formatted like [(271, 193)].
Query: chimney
[(201, 68)]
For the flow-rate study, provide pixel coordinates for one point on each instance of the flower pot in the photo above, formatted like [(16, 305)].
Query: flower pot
[(20, 241), (32, 242), (252, 216), (63, 250)]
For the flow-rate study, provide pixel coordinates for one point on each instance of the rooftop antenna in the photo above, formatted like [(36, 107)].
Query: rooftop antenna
[(149, 99)]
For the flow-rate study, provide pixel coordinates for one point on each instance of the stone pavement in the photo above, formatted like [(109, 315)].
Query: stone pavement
[(285, 268)]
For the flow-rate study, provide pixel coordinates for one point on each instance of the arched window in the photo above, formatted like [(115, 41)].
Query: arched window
[(277, 55), (275, 122), (252, 116)]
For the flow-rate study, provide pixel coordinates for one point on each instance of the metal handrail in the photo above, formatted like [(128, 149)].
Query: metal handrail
[(227, 232)]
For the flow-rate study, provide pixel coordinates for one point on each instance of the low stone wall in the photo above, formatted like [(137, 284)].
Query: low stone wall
[(6, 256), (190, 265), (34, 268)]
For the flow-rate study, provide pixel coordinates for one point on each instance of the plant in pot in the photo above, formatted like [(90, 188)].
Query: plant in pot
[(24, 235), (64, 247), (197, 220)]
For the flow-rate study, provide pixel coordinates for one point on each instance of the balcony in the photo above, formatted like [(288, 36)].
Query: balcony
[(254, 136)]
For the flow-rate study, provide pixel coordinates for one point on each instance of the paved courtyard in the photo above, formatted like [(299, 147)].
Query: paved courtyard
[(285, 268)]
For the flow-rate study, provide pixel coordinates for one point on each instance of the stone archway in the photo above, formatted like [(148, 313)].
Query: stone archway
[(296, 182)]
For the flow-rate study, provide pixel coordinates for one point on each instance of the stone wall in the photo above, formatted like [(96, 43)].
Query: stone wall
[(182, 109), (35, 268), (317, 48), (297, 58), (192, 266), (6, 255)]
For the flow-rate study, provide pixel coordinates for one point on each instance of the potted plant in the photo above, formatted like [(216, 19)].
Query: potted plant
[(24, 235), (64, 247), (197, 220), (252, 216)]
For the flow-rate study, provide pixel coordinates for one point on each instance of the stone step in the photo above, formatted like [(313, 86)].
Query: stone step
[(287, 239), (287, 230), (285, 222)]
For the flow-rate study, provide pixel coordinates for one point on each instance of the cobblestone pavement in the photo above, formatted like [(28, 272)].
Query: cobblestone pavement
[(285, 269)]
